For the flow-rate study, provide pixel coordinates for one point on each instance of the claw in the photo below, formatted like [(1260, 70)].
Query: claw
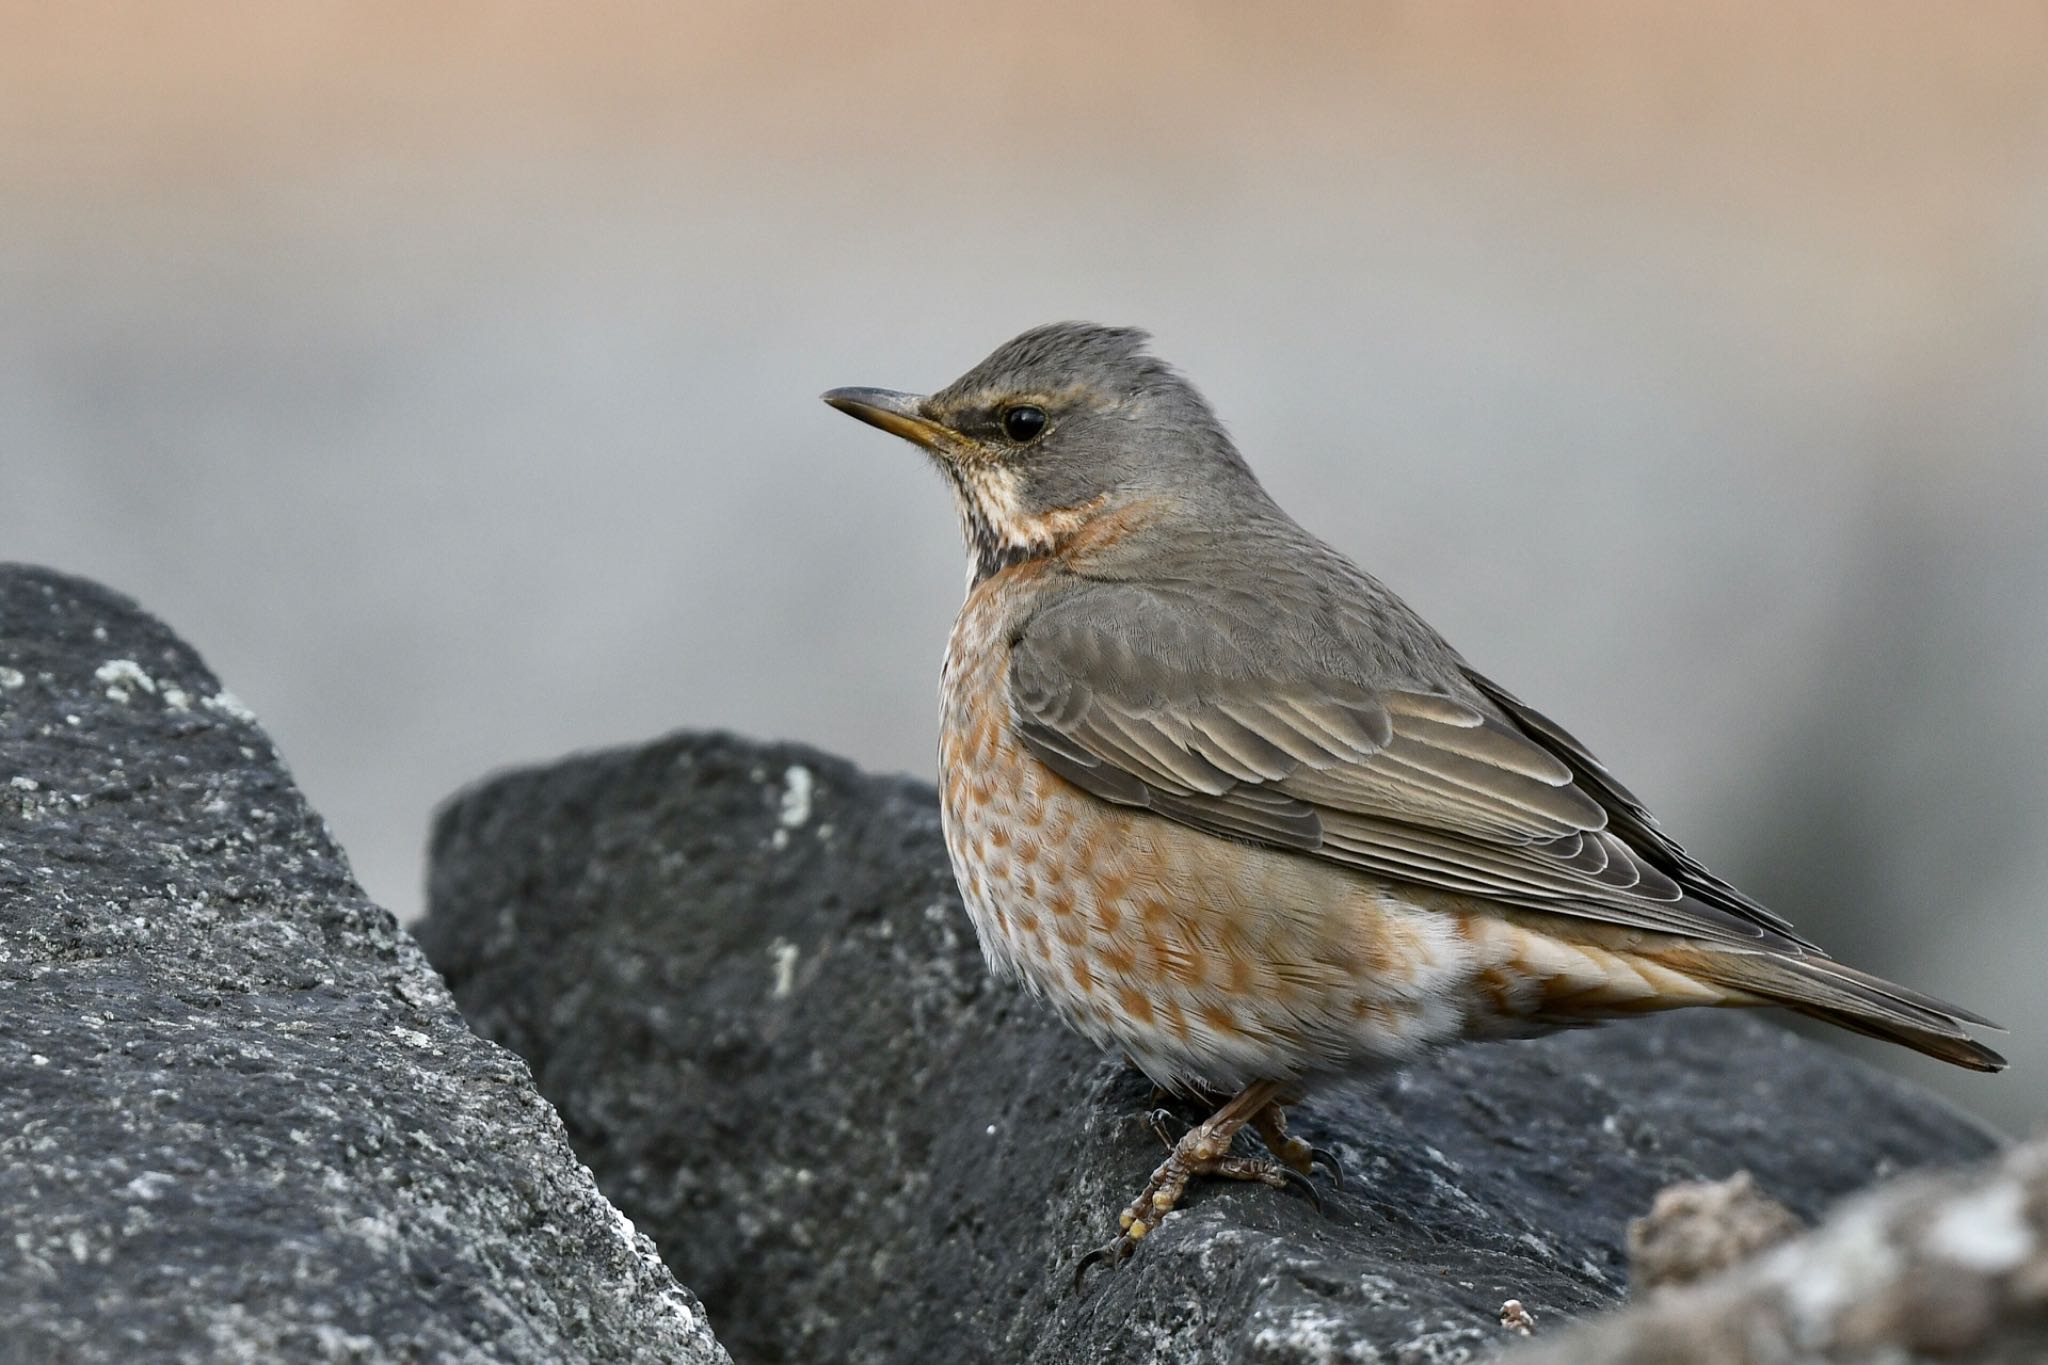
[(1327, 1159), (1297, 1181), (1158, 1119), (1116, 1253)]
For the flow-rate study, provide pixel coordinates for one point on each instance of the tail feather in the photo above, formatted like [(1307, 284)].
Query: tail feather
[(1823, 989), (1946, 1047)]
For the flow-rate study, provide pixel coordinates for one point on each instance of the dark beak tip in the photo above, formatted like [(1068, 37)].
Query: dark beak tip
[(858, 400), (899, 414)]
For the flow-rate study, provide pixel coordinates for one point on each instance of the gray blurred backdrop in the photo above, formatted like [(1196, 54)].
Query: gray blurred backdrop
[(448, 373)]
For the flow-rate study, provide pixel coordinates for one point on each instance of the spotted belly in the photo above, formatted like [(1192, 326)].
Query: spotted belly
[(1213, 963)]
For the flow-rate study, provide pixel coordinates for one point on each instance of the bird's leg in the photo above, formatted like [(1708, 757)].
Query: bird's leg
[(1158, 1120), (1271, 1124), (1203, 1150), (1170, 1111)]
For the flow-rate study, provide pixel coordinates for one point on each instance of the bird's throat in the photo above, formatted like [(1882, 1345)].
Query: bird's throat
[(998, 531), (1001, 534)]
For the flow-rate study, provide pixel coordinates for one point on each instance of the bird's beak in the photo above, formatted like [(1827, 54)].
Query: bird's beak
[(899, 414)]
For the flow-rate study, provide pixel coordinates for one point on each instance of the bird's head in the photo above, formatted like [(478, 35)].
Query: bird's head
[(1060, 426)]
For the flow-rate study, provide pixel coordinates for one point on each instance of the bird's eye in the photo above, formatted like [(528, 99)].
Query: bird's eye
[(1023, 422)]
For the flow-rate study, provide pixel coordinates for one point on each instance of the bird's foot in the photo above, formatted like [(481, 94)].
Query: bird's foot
[(1296, 1155), (1169, 1182), (1202, 1150)]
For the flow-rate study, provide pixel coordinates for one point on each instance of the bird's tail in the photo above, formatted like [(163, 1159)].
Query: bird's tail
[(1823, 989)]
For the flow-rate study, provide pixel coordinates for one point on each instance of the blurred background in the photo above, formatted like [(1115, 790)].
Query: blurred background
[(448, 373)]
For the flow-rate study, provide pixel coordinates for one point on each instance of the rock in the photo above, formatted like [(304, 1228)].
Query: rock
[(240, 1118), (1699, 1227), (743, 975), (1951, 1268)]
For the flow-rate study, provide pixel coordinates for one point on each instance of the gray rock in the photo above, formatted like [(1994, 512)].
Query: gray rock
[(743, 975), (1951, 1267), (1699, 1228), (240, 1118)]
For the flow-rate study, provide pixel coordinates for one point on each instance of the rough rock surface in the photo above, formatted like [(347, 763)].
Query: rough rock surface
[(240, 1118), (743, 975), (1951, 1268)]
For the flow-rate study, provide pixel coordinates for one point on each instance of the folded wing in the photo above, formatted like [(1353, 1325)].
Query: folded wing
[(1133, 697)]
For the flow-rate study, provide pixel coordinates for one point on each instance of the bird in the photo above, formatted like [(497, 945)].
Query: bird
[(1230, 806)]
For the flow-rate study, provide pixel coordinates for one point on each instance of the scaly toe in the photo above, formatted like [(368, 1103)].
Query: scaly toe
[(1266, 1171), (1296, 1154)]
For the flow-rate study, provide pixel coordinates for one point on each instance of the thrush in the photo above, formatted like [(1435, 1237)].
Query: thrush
[(1232, 807)]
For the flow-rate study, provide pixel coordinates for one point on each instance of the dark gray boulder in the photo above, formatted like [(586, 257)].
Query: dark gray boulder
[(744, 977), (240, 1118)]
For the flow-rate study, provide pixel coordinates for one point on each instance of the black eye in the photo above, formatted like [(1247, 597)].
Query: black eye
[(1023, 423)]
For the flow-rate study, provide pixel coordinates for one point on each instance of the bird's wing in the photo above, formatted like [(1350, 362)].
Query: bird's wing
[(1135, 697)]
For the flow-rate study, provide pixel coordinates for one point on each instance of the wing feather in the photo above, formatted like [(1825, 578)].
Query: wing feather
[(1142, 703)]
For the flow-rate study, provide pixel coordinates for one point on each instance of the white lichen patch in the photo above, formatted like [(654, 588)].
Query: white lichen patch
[(150, 1185), (1985, 1230), (782, 955), (673, 1299), (11, 678), (378, 1230), (24, 784), (1855, 1262), (177, 698), (797, 786), (226, 703), (337, 1344), (624, 1228), (1307, 1334), (123, 678)]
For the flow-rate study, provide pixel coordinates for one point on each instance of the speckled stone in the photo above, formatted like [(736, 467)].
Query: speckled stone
[(1950, 1267), (744, 975), (240, 1118)]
